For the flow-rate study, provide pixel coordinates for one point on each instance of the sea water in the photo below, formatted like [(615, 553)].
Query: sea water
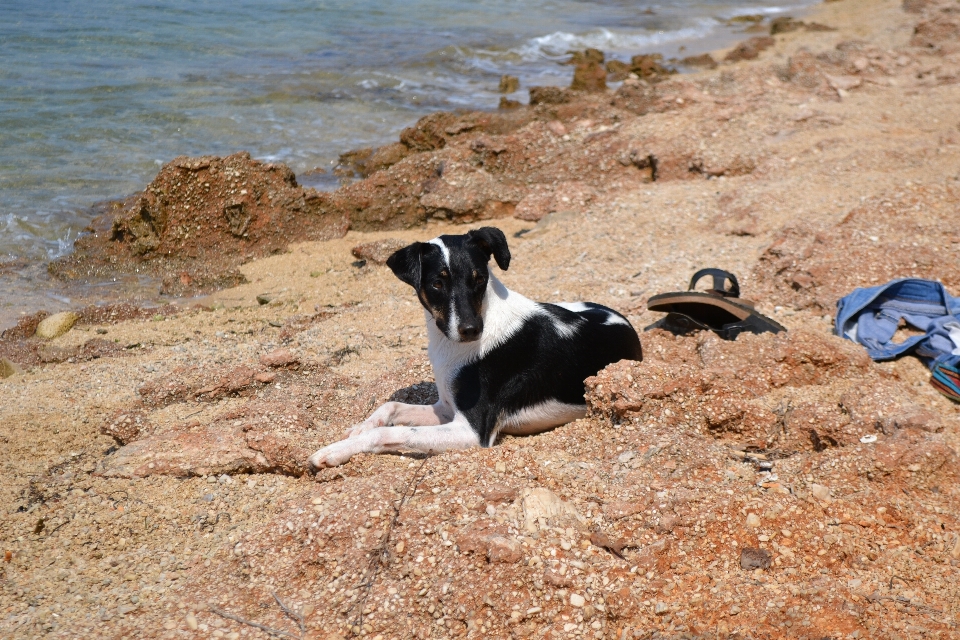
[(95, 95)]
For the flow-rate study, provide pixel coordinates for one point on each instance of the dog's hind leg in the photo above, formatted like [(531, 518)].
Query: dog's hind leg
[(397, 413), (446, 437)]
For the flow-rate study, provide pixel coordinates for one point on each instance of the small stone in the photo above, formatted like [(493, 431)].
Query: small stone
[(400, 546), (192, 622), (753, 520), (500, 467), (820, 492), (375, 513), (265, 377), (265, 298), (307, 610), (278, 358), (577, 600), (56, 325), (509, 84), (752, 558), (661, 608), (134, 598), (625, 457)]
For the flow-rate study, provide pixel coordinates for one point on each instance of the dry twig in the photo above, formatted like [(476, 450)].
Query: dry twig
[(293, 615), (381, 554), (269, 630)]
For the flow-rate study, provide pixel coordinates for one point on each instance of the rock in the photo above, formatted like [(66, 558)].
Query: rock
[(556, 579), (752, 558), (125, 426), (191, 621), (749, 49), (784, 24), (577, 600), (265, 298), (589, 76), (465, 193), (753, 520), (500, 494), (543, 505), (550, 95), (507, 103), (939, 34), (661, 608), (649, 66), (56, 325), (503, 549), (378, 251), (265, 377), (199, 220), (279, 358), (820, 492), (704, 60), (509, 84), (618, 70), (9, 368)]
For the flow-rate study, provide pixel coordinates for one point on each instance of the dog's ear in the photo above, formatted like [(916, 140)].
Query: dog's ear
[(405, 263), (492, 241)]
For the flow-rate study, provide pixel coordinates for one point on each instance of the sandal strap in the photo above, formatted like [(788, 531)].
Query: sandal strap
[(720, 279)]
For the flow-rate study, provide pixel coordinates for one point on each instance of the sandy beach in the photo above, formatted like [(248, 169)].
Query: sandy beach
[(155, 482)]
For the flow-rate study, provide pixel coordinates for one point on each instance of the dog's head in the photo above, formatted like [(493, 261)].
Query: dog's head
[(450, 276)]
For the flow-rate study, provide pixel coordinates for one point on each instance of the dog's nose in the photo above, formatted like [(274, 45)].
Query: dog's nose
[(469, 332)]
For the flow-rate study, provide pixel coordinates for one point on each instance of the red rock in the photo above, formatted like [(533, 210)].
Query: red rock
[(555, 578), (279, 358), (752, 558), (503, 549), (749, 49), (225, 209), (377, 251), (589, 76)]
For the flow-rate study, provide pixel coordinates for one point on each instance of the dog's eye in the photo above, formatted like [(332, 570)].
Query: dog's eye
[(438, 285)]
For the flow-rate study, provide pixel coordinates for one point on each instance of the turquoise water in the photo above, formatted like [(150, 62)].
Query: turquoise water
[(96, 94)]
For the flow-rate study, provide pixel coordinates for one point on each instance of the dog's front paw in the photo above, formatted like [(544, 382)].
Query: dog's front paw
[(331, 456), (363, 427)]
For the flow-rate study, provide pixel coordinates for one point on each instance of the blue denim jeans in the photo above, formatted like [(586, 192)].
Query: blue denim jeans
[(871, 317)]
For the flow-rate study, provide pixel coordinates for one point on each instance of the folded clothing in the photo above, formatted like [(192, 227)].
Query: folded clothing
[(872, 316)]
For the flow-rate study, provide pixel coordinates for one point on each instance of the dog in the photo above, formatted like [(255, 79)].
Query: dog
[(503, 364)]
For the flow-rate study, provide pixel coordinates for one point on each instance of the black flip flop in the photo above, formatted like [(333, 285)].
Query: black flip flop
[(719, 309)]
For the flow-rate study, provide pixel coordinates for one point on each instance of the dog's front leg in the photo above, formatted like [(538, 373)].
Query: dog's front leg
[(446, 437), (397, 413)]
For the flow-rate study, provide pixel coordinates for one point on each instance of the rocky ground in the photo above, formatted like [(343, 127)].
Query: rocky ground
[(776, 486)]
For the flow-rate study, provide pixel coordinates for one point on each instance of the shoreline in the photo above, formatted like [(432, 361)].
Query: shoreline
[(28, 289), (156, 464)]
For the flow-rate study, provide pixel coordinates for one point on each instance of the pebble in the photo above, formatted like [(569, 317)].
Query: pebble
[(191, 622), (660, 608), (56, 325), (820, 492), (753, 520), (577, 600)]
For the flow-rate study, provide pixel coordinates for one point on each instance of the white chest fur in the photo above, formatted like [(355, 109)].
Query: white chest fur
[(503, 312)]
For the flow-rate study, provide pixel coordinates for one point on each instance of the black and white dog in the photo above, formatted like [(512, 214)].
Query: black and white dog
[(502, 363)]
